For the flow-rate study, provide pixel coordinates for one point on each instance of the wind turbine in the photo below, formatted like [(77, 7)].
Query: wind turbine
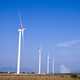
[(21, 36), (53, 65), (48, 58), (39, 61)]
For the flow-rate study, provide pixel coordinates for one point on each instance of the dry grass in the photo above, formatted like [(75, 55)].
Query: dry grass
[(36, 77)]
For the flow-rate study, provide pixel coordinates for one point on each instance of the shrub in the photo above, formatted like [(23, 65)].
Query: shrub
[(74, 75)]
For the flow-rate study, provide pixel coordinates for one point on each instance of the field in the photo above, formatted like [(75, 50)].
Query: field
[(37, 77)]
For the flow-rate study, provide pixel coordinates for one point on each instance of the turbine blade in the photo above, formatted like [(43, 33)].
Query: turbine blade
[(20, 20), (23, 39)]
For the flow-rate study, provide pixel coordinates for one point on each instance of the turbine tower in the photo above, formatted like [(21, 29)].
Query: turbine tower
[(53, 65), (48, 58), (21, 36), (39, 61)]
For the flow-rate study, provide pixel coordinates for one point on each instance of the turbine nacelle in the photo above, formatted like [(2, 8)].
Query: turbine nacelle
[(21, 29)]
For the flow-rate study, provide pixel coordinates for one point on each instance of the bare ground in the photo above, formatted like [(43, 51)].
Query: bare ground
[(36, 77)]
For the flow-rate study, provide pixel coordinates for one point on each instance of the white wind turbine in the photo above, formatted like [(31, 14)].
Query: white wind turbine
[(53, 64), (48, 58), (39, 61), (21, 36)]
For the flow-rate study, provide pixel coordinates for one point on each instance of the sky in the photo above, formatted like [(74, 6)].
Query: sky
[(52, 25)]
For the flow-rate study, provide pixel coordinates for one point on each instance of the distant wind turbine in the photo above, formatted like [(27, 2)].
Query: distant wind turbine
[(53, 64), (21, 36), (48, 58), (39, 61)]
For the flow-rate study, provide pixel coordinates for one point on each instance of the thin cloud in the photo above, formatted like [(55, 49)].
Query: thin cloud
[(68, 43), (64, 69)]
